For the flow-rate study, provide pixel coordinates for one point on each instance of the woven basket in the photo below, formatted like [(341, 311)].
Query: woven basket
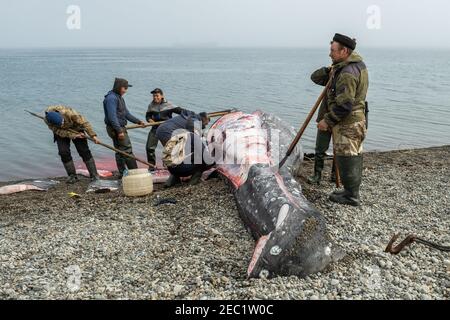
[(137, 183), (135, 172)]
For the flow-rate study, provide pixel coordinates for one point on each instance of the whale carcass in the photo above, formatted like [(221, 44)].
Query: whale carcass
[(290, 234)]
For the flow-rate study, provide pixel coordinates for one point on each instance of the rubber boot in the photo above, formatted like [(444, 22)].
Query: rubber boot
[(316, 178), (351, 174), (92, 168), (121, 165), (333, 173), (343, 191), (172, 181), (131, 164), (150, 147), (71, 172), (196, 178), (318, 168)]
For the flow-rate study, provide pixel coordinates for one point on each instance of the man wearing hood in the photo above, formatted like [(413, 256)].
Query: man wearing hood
[(184, 153), (158, 110), (344, 114), (116, 119)]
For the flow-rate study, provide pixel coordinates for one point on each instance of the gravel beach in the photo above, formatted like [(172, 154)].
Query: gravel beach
[(108, 246)]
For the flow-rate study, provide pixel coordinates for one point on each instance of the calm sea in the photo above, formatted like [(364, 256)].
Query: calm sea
[(409, 93)]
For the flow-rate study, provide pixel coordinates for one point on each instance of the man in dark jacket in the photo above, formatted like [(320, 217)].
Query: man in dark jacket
[(184, 151), (158, 110), (116, 118), (345, 114)]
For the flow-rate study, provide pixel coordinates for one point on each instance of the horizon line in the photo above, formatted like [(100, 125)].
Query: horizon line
[(213, 47)]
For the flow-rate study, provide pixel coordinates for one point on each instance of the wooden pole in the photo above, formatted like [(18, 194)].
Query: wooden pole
[(307, 121), (101, 143), (151, 124)]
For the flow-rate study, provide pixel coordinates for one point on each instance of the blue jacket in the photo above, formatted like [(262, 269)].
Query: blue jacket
[(116, 112), (184, 121)]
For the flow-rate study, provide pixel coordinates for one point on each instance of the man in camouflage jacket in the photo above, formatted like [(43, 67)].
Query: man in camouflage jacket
[(68, 125), (344, 114)]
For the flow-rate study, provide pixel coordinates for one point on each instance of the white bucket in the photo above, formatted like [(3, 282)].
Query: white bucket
[(137, 183)]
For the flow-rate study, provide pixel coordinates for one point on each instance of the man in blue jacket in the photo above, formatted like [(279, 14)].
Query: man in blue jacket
[(116, 118), (184, 151)]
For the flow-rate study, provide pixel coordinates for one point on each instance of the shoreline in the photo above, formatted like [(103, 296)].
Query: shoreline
[(60, 178), (127, 248)]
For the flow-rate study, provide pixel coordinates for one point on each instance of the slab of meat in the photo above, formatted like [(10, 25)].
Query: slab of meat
[(37, 185)]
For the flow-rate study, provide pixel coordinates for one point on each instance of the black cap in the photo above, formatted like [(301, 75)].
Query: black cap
[(157, 90), (345, 41)]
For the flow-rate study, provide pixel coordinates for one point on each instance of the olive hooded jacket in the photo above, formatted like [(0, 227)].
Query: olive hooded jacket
[(345, 100)]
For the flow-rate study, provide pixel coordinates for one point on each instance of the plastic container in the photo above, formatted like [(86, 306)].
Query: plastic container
[(137, 183)]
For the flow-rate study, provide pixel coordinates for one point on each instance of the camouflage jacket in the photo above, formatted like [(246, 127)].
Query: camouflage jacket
[(345, 100), (72, 120)]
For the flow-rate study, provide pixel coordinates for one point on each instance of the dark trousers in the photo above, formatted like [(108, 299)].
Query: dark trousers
[(186, 170), (152, 143), (123, 145), (64, 149)]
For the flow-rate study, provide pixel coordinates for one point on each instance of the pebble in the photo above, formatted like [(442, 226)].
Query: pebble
[(177, 289), (389, 277), (357, 291), (447, 264), (200, 249), (408, 296), (334, 282)]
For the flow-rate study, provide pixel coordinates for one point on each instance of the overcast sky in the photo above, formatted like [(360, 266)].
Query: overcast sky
[(235, 23)]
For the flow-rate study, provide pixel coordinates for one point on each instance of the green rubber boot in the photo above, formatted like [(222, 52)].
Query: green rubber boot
[(315, 179), (71, 172), (318, 168), (343, 191), (351, 175), (92, 168)]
